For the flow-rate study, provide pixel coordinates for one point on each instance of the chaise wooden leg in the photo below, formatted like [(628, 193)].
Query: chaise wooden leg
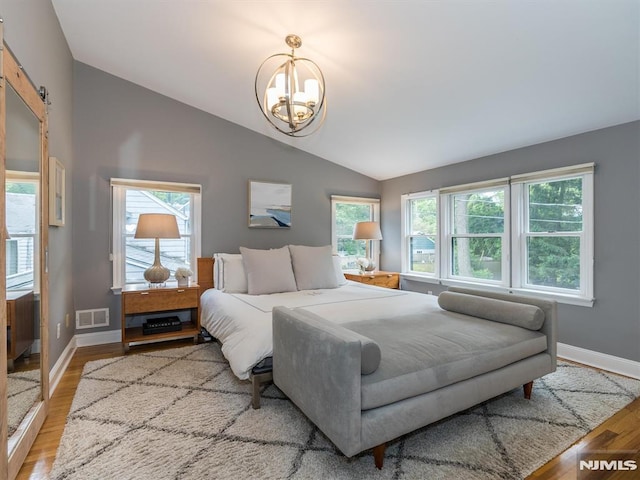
[(527, 387), (378, 455)]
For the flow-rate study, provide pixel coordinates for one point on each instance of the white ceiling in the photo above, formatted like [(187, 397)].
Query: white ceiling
[(411, 84)]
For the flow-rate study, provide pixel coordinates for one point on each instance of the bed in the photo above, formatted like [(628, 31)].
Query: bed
[(242, 322)]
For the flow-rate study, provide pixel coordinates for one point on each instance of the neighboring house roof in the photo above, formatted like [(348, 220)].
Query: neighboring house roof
[(20, 212), (141, 201), (423, 243), (143, 257)]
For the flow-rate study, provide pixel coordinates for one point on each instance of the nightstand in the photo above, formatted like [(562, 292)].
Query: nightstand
[(380, 279), (20, 325), (140, 300)]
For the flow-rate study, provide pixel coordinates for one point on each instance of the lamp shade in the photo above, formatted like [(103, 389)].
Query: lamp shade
[(367, 231), (157, 225)]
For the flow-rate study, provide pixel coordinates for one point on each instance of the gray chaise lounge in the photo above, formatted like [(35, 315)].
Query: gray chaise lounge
[(366, 383)]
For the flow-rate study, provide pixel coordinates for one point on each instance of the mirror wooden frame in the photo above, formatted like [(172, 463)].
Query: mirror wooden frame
[(15, 449)]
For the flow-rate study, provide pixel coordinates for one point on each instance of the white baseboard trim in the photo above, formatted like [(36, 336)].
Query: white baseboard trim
[(79, 340), (98, 338), (603, 361), (56, 372)]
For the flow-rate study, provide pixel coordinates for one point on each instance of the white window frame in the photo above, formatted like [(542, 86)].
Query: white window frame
[(405, 248), (119, 187), (374, 203), (514, 254), (519, 236)]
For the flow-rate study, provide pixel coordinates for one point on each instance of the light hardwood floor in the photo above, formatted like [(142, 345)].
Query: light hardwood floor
[(621, 432)]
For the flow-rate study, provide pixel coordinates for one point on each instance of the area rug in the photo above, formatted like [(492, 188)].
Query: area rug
[(23, 391), (182, 414)]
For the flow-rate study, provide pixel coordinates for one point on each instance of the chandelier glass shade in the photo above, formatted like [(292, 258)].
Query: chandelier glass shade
[(291, 91)]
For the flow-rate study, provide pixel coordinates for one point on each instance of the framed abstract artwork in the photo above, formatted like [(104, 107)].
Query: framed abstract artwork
[(269, 205)]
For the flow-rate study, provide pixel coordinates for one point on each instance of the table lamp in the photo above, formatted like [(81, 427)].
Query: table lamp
[(368, 231), (157, 226)]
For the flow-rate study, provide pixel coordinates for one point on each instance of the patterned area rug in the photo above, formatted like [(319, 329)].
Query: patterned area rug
[(182, 414), (23, 391)]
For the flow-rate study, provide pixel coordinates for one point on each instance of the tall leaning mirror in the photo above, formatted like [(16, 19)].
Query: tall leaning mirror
[(24, 348)]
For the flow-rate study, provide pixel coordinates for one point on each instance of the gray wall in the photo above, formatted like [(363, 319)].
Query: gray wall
[(123, 130), (32, 31), (612, 326)]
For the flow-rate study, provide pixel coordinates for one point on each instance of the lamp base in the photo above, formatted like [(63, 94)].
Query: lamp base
[(366, 265), (156, 274)]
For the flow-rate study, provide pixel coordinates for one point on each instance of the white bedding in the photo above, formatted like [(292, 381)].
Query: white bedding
[(243, 322)]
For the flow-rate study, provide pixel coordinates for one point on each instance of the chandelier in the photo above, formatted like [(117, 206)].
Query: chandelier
[(290, 91)]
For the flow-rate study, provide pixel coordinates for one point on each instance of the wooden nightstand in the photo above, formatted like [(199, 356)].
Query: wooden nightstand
[(170, 301), (20, 325), (380, 279)]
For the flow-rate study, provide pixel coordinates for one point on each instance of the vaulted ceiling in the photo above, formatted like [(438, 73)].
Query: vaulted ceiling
[(411, 85)]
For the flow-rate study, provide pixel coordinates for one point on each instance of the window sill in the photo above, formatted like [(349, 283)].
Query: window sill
[(168, 284), (559, 297), (416, 277)]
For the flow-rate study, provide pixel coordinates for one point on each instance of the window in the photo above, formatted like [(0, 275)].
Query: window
[(555, 249), (421, 233), (527, 233), (22, 219), (345, 213), (131, 257)]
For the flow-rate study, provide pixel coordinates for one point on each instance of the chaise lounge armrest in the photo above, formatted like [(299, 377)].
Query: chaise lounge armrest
[(311, 354)]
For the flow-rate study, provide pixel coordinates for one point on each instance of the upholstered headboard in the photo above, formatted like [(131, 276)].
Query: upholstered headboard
[(205, 273)]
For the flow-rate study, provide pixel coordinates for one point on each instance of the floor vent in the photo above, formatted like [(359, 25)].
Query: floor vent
[(97, 317)]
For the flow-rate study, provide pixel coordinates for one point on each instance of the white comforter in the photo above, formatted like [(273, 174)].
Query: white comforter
[(243, 322)]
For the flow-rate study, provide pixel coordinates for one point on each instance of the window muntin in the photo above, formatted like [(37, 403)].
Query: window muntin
[(345, 213), (131, 257), (478, 239)]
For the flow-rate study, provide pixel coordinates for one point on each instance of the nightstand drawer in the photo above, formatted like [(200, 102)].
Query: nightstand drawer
[(150, 300), (389, 280), (380, 279)]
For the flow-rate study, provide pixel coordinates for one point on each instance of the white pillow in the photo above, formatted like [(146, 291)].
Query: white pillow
[(337, 265), (268, 271), (313, 267), (228, 273)]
